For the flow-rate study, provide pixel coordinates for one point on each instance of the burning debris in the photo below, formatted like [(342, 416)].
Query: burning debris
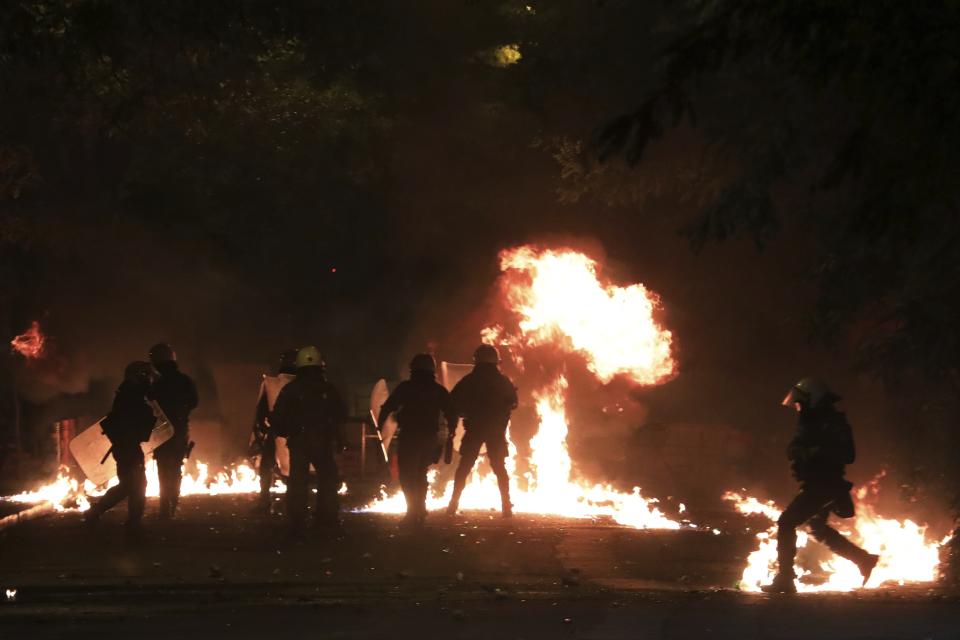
[(31, 343), (907, 554)]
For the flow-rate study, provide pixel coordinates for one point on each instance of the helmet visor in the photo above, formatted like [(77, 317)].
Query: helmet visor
[(794, 397)]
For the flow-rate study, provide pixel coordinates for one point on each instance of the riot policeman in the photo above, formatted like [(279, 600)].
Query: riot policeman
[(818, 453), (263, 439), (129, 423), (310, 412), (484, 398), (176, 394), (421, 405)]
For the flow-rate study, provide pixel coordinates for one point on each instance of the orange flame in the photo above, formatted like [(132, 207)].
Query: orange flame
[(907, 553), (66, 493), (550, 487), (561, 301), (61, 493), (30, 344)]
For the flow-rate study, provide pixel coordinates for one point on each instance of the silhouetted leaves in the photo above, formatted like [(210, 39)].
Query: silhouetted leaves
[(862, 106)]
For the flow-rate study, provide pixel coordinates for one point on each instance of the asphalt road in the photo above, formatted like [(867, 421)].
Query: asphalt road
[(218, 572)]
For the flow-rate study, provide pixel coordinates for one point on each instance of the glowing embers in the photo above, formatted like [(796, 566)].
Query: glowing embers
[(906, 553), (31, 343)]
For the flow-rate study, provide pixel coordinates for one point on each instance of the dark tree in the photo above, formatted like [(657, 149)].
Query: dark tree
[(853, 106), (835, 122)]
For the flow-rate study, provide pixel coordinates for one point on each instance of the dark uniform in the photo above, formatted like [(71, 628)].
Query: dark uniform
[(264, 445), (264, 440), (420, 404), (309, 412), (129, 423), (176, 394), (484, 397), (818, 454)]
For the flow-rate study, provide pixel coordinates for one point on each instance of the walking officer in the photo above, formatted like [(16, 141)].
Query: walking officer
[(129, 423), (176, 394), (819, 453)]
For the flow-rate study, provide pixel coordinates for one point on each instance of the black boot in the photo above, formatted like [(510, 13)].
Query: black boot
[(415, 518), (503, 483), (867, 565), (454, 503), (782, 583), (91, 518)]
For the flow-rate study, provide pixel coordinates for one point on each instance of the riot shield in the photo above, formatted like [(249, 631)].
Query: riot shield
[(271, 387), (387, 430), (92, 447)]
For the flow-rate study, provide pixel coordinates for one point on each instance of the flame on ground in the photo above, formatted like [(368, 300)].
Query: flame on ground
[(30, 344), (549, 487), (906, 552), (62, 493), (66, 493), (559, 300)]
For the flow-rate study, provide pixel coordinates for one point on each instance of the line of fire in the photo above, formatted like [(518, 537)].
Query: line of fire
[(559, 306), (503, 318)]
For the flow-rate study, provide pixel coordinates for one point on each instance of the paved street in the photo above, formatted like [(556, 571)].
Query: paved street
[(217, 572)]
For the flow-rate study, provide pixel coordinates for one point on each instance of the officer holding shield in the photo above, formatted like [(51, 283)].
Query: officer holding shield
[(421, 405)]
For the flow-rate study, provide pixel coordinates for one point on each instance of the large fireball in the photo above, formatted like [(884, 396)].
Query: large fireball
[(556, 299), (561, 299)]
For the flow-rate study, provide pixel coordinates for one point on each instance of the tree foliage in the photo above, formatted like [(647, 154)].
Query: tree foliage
[(179, 112), (304, 154), (854, 104)]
